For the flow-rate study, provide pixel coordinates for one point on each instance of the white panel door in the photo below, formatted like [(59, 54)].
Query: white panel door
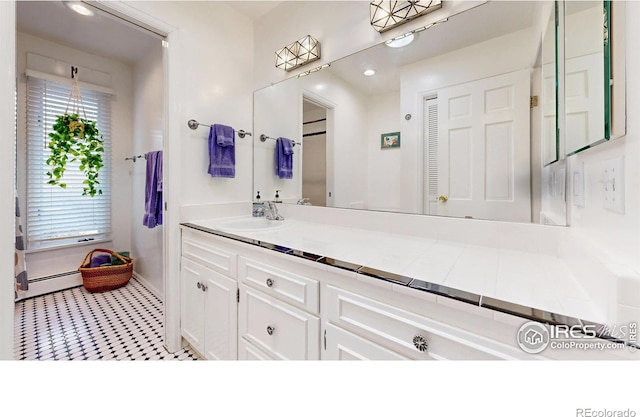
[(483, 148), (584, 100), (221, 317)]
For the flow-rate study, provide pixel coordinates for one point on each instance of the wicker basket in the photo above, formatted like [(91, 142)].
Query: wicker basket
[(105, 278)]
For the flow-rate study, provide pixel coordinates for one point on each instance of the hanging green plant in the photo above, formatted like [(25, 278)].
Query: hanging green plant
[(75, 139)]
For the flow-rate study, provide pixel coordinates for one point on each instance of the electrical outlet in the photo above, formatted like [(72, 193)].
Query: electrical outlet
[(613, 185)]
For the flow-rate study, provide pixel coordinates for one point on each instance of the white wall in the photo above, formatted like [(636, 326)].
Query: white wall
[(48, 262), (146, 244), (209, 71), (7, 176), (384, 168), (212, 77)]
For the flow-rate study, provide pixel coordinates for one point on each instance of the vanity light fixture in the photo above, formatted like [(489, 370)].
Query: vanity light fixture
[(407, 38), (369, 72), (79, 8), (387, 14), (298, 53), (400, 41)]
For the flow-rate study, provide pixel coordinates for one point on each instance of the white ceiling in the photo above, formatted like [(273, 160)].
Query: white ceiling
[(97, 34), (101, 34)]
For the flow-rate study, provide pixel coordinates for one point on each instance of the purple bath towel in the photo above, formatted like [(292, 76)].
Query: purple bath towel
[(222, 151), (153, 190), (284, 158)]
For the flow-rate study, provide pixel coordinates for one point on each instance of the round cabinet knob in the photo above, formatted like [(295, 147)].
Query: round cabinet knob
[(204, 288), (270, 330), (443, 198), (269, 282), (199, 286), (420, 342)]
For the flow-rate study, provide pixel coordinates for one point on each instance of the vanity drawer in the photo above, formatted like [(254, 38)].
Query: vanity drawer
[(290, 287), (396, 329), (202, 248), (277, 328), (343, 345), (248, 352)]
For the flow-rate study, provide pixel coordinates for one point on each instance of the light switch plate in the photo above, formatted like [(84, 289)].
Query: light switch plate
[(578, 185), (613, 185)]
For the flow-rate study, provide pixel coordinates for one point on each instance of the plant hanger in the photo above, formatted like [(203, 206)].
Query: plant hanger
[(75, 139), (75, 97)]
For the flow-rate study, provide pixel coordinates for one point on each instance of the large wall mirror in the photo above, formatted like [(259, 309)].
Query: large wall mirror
[(587, 74), (459, 122), (594, 73)]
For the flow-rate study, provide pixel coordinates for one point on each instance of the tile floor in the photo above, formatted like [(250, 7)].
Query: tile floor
[(74, 324)]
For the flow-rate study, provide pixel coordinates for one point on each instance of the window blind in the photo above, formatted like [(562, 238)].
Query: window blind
[(57, 216)]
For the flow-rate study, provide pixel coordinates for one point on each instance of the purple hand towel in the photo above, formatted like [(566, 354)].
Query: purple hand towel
[(284, 158), (222, 151), (153, 190)]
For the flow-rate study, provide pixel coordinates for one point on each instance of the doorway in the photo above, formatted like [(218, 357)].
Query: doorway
[(314, 155), (50, 28)]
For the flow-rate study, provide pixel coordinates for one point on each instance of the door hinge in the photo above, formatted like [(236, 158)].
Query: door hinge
[(325, 339), (238, 295), (533, 101)]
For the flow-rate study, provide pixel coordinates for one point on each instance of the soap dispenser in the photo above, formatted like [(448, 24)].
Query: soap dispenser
[(258, 207), (277, 197)]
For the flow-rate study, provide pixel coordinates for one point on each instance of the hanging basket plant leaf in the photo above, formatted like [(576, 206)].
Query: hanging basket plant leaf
[(75, 139)]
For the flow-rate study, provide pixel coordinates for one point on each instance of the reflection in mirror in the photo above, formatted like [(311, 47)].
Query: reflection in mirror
[(586, 61), (550, 149), (457, 99)]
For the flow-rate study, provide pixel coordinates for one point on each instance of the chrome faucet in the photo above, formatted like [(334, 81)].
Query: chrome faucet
[(271, 211), (303, 202)]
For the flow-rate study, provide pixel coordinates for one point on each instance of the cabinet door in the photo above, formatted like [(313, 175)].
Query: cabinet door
[(343, 345), (192, 276), (276, 327), (221, 317)]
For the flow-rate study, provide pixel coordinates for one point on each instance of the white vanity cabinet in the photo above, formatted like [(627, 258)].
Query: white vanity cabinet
[(278, 311), (250, 301), (208, 296)]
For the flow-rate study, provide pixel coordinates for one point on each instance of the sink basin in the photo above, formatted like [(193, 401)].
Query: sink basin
[(250, 224)]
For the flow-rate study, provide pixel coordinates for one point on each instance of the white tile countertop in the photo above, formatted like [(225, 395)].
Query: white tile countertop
[(509, 280)]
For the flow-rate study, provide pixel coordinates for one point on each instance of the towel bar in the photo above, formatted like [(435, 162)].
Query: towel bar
[(194, 124), (263, 138), (134, 157)]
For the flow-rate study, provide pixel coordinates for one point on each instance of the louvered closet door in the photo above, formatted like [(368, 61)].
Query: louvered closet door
[(483, 148), (430, 155)]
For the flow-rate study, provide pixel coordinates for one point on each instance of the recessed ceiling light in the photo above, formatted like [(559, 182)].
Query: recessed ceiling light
[(79, 8), (369, 72), (400, 41)]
